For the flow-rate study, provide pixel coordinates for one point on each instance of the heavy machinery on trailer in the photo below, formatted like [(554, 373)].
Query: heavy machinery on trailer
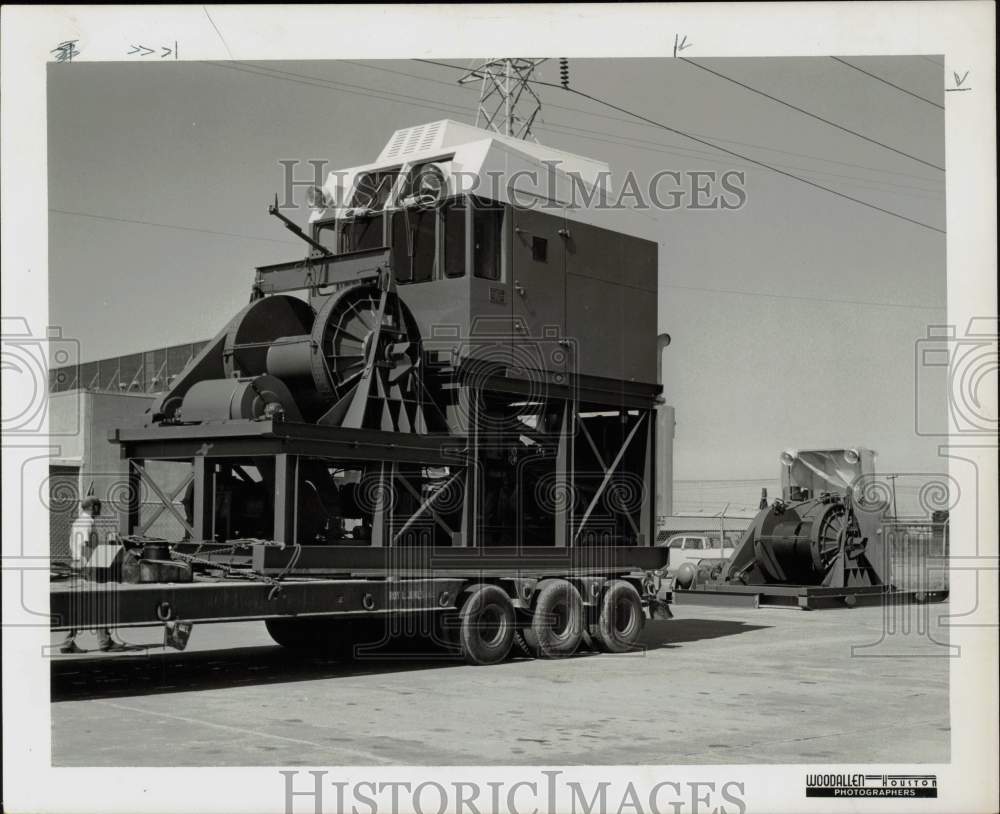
[(444, 410), (827, 541)]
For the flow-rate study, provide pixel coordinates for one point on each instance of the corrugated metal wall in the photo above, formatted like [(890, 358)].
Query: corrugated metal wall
[(147, 372)]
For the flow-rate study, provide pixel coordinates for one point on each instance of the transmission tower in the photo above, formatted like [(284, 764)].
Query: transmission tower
[(507, 104)]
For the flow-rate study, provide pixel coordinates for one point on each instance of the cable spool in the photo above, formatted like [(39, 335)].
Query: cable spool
[(800, 544), (261, 323)]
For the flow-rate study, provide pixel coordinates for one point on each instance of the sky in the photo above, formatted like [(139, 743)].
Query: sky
[(794, 318)]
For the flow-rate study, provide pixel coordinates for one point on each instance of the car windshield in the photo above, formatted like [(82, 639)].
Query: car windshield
[(677, 542)]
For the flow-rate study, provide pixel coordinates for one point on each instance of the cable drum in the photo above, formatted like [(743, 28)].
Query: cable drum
[(798, 548), (262, 322), (342, 337)]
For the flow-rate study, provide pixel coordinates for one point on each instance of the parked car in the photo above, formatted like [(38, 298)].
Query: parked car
[(693, 547)]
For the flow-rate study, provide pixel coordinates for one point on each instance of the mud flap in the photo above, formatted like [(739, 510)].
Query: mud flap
[(176, 634), (658, 609)]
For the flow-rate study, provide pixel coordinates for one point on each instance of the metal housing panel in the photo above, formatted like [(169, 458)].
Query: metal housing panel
[(639, 357), (538, 293), (595, 323)]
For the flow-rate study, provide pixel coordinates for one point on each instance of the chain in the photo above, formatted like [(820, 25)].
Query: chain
[(231, 547)]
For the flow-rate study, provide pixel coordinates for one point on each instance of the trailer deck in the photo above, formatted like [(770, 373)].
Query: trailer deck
[(323, 581)]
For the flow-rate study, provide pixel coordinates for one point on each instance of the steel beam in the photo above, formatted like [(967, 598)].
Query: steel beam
[(204, 499), (609, 471), (321, 272), (165, 500), (350, 559), (285, 497), (83, 605)]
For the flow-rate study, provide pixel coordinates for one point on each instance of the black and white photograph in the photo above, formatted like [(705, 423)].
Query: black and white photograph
[(389, 426)]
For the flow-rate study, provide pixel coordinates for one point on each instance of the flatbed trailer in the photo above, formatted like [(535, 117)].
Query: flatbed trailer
[(346, 582)]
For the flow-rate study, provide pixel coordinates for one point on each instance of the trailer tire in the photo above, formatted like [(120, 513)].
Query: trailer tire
[(557, 621), (620, 618), (293, 634), (334, 638), (486, 625)]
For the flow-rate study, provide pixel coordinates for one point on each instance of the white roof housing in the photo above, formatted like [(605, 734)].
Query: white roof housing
[(504, 169)]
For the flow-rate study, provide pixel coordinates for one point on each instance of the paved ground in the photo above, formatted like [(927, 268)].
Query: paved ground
[(714, 686)]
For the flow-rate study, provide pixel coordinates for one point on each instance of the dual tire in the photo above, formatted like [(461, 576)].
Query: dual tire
[(486, 625), (558, 622), (620, 618)]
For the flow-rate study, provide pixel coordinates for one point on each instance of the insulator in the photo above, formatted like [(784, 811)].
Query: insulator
[(564, 72)]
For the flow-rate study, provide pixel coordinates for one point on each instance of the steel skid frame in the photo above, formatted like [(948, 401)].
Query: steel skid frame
[(590, 468)]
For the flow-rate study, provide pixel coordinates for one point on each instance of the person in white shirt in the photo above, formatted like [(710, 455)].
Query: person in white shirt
[(83, 539)]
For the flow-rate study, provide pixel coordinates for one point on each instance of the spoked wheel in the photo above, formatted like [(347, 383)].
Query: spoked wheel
[(557, 622), (832, 528), (620, 618), (369, 360), (486, 625)]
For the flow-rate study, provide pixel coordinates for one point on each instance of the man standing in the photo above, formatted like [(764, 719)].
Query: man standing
[(83, 539)]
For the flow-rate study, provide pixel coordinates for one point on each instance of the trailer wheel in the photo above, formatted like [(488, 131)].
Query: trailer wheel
[(294, 634), (557, 623), (486, 625), (333, 638), (620, 619)]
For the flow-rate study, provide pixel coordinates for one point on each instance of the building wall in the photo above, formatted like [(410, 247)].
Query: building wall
[(145, 372), (86, 462)]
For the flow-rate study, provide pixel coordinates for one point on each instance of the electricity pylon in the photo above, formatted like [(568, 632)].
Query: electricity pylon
[(507, 104)]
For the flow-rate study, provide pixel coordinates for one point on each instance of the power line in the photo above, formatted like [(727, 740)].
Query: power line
[(343, 87), (169, 226), (362, 90), (654, 146), (804, 298), (771, 167), (811, 115), (224, 43), (452, 85), (433, 104), (887, 82), (370, 92)]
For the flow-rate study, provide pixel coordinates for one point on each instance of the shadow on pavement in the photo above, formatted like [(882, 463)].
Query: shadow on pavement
[(678, 631), (169, 671)]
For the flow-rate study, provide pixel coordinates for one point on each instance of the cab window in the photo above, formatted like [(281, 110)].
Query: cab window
[(454, 238), (362, 233), (429, 244), (373, 188), (487, 231), (414, 245)]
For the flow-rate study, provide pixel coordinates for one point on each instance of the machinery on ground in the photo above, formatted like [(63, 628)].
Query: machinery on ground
[(444, 411), (825, 542)]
